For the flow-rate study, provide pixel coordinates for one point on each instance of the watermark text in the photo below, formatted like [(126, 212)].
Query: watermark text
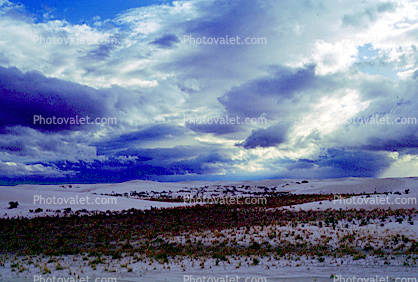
[(227, 40), (39, 119), (226, 278), (225, 200), (224, 120), (38, 199), (372, 200), (54, 40)]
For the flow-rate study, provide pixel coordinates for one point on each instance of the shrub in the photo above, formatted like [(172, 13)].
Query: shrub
[(219, 256), (162, 256), (13, 205), (359, 256), (254, 246), (368, 248), (255, 261)]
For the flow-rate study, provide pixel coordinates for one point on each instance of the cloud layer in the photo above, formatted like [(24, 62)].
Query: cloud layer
[(315, 90)]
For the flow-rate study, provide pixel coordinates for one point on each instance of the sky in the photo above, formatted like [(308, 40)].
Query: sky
[(110, 91)]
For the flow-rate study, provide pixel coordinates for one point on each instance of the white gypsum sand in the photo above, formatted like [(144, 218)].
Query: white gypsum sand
[(295, 267)]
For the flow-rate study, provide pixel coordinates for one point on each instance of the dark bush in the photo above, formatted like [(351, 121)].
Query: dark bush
[(13, 205)]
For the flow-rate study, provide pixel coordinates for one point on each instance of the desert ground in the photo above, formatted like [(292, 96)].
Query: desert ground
[(268, 230)]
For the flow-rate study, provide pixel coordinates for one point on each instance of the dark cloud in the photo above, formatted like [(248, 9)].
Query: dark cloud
[(24, 96), (260, 93), (217, 129), (409, 141), (301, 164), (142, 164), (141, 137), (102, 52), (166, 41), (180, 159), (201, 164), (335, 163), (268, 137), (354, 163)]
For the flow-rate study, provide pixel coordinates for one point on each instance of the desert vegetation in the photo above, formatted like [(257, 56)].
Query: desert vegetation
[(215, 232)]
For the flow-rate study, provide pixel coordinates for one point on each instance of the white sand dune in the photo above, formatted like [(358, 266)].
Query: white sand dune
[(304, 270), (29, 196)]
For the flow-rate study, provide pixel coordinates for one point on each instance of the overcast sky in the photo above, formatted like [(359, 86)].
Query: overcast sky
[(304, 89)]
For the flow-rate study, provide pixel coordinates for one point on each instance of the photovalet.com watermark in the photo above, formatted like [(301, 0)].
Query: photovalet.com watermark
[(374, 200), (376, 119), (56, 40), (227, 40), (225, 200), (40, 200), (223, 120), (369, 120), (42, 278), (363, 40), (375, 39), (340, 278), (39, 119), (225, 278)]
